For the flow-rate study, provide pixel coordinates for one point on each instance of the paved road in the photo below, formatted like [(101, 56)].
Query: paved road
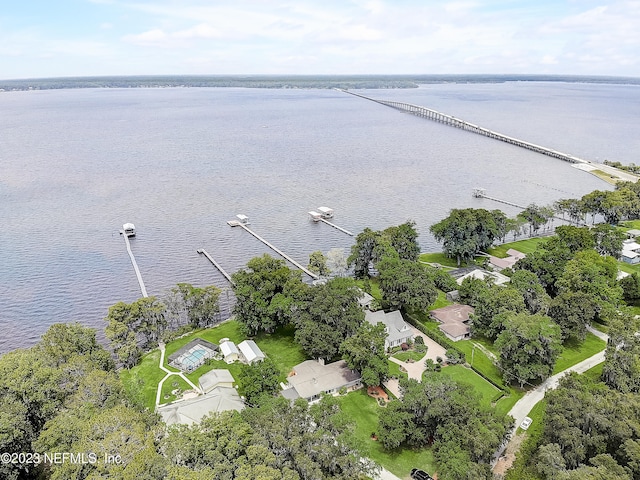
[(523, 406)]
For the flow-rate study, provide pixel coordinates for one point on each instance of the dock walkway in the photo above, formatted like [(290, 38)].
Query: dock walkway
[(336, 226), (234, 223), (215, 264), (135, 265)]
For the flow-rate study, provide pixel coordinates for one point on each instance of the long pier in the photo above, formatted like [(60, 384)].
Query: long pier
[(234, 223), (215, 264), (470, 127), (336, 226), (135, 265)]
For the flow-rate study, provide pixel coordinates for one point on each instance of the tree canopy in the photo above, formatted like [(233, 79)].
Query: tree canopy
[(466, 232)]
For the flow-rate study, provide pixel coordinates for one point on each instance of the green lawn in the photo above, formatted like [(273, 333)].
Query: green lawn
[(575, 353), (282, 349), (441, 301), (170, 384), (438, 257), (142, 380), (525, 246), (485, 390), (364, 410), (394, 370), (404, 356), (371, 286)]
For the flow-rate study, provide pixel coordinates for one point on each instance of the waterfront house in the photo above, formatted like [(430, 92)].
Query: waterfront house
[(398, 331), (311, 379), (190, 411)]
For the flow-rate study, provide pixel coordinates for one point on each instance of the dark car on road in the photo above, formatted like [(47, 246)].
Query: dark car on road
[(418, 474)]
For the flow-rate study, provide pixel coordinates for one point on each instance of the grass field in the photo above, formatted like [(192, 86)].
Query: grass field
[(142, 380), (486, 391), (365, 411), (404, 356), (438, 257), (525, 246), (575, 353)]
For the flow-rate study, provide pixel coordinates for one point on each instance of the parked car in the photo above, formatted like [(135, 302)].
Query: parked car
[(418, 474), (526, 423)]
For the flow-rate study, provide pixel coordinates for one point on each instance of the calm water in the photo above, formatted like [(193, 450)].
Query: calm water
[(77, 164)]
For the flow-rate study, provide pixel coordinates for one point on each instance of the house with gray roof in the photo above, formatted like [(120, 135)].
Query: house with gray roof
[(398, 331), (311, 379), (216, 378), (188, 412)]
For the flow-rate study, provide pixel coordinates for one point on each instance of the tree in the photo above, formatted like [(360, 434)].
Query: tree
[(608, 240), (529, 346), (258, 380), (364, 352), (621, 370), (535, 297), (592, 274), (573, 311), (200, 304), (266, 294), (406, 284), (362, 252), (535, 216), (337, 262), (404, 240), (491, 308), (318, 264), (466, 232), (328, 314)]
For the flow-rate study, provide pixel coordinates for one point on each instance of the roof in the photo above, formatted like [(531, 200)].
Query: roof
[(509, 261), (633, 232), (129, 226), (498, 278), (456, 313), (516, 253), (397, 328), (211, 379), (191, 411), (455, 330), (325, 209), (630, 246), (250, 350), (365, 299), (312, 378), (228, 348)]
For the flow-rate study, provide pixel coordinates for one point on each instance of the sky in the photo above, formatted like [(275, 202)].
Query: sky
[(59, 38)]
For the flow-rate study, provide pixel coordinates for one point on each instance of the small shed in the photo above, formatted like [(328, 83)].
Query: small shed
[(243, 219), (326, 212), (229, 351), (250, 352), (129, 229)]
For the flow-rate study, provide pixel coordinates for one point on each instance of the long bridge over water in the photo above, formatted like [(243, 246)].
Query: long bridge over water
[(440, 117)]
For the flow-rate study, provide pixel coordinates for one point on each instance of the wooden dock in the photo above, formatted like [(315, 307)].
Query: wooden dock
[(135, 265), (234, 223), (336, 226), (215, 264)]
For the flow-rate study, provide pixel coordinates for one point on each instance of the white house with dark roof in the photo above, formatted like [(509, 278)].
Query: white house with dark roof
[(398, 331), (311, 379), (250, 352)]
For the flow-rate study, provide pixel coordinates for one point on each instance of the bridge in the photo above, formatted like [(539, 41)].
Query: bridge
[(436, 116), (470, 127)]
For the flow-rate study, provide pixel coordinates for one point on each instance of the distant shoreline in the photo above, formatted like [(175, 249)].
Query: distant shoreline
[(292, 81)]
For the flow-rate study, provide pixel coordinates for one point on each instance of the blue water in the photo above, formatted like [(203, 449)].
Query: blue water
[(178, 163)]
